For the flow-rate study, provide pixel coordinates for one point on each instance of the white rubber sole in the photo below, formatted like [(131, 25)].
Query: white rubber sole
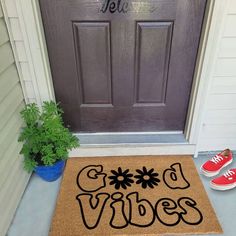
[(211, 174), (222, 187)]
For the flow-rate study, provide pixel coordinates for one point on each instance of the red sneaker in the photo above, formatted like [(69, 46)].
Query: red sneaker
[(225, 182), (218, 162)]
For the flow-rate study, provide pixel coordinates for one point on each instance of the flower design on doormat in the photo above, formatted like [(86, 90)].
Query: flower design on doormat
[(147, 178), (121, 178)]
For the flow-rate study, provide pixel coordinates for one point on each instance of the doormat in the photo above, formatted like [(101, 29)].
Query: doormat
[(132, 195)]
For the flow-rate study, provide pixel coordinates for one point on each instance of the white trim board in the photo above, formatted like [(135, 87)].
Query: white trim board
[(13, 46), (204, 67), (36, 51)]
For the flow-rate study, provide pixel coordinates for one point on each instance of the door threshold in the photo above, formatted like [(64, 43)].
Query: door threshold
[(131, 139), (133, 150)]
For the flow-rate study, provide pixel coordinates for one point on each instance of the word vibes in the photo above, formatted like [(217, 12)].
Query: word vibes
[(141, 212)]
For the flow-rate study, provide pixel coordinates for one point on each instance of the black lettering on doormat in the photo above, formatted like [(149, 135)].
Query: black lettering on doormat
[(118, 218), (130, 208), (168, 214), (85, 202), (140, 209), (91, 178), (141, 212), (174, 177), (121, 179), (147, 178)]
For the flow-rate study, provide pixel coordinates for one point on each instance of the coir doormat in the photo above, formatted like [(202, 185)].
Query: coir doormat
[(147, 195)]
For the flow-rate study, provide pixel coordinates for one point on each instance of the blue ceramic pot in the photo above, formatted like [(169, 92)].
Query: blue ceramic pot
[(50, 173)]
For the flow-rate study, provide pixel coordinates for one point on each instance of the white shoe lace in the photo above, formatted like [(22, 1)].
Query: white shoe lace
[(229, 173), (217, 159)]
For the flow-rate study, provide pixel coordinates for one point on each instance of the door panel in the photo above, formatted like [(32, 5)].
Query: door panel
[(153, 41), (95, 39), (123, 65)]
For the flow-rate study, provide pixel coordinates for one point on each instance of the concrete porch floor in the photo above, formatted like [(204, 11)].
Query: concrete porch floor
[(35, 211)]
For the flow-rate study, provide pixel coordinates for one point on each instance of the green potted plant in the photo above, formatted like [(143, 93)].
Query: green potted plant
[(46, 142)]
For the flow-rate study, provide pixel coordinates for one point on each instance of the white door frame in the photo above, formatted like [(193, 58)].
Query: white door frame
[(210, 37), (33, 34)]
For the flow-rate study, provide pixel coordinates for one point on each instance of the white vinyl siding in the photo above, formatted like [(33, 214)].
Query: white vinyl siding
[(219, 123), (13, 178)]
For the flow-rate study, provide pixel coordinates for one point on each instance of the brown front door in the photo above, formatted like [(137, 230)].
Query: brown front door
[(123, 65)]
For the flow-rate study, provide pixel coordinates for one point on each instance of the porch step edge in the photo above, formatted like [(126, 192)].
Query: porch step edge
[(134, 149)]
